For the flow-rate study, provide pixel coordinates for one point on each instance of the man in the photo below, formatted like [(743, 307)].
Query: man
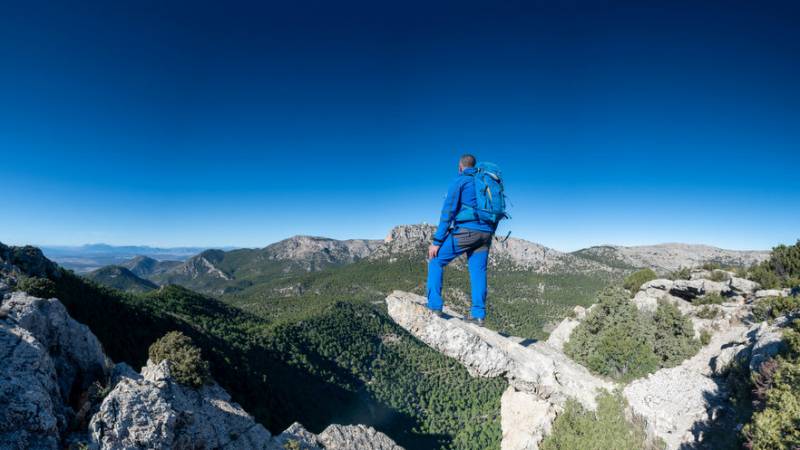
[(455, 236)]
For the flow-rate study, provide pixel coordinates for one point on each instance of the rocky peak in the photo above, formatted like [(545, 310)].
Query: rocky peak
[(320, 250), (26, 260)]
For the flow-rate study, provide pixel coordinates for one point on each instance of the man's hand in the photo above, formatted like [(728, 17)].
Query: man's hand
[(433, 250)]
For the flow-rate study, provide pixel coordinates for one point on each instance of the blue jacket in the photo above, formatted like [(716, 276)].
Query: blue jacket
[(460, 192)]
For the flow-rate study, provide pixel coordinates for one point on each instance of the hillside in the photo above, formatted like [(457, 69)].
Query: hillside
[(144, 266), (121, 278), (664, 258)]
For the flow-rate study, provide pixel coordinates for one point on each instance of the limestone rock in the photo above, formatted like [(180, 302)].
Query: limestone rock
[(763, 293), (32, 412), (524, 419), (157, 412), (537, 369), (355, 437), (768, 342), (560, 335), (691, 289), (743, 285), (297, 434), (76, 353)]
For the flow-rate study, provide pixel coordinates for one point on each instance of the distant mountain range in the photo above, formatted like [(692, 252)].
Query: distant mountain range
[(218, 271), (86, 258)]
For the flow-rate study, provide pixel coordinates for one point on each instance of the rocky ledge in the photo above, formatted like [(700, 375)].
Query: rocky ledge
[(540, 377)]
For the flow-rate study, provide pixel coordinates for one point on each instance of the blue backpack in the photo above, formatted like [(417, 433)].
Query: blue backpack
[(491, 199)]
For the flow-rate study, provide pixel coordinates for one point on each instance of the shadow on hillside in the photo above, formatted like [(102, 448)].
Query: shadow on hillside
[(720, 431)]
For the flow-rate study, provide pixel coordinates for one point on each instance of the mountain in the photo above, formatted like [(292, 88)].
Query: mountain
[(89, 257), (121, 278), (665, 258), (144, 266), (217, 271)]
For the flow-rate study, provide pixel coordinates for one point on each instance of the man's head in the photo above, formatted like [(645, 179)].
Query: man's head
[(466, 161)]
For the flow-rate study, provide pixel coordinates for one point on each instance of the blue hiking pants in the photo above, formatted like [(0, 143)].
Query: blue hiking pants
[(476, 245)]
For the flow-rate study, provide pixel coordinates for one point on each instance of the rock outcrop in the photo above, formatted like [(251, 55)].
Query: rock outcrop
[(49, 360), (153, 410), (541, 378)]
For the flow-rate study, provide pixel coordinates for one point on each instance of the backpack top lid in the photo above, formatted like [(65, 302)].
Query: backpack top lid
[(490, 168)]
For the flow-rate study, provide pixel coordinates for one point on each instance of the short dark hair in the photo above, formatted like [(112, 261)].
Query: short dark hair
[(467, 160)]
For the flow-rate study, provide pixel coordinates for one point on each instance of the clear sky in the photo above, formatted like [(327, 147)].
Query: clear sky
[(243, 123)]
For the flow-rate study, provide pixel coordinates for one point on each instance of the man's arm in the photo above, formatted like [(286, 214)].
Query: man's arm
[(449, 211)]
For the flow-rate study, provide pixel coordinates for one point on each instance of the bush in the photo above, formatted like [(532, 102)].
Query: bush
[(705, 337), (776, 423), (618, 341), (772, 307), (709, 299), (719, 275), (782, 269), (188, 366), (683, 273), (674, 335), (711, 266), (635, 280), (37, 287), (577, 428), (707, 312)]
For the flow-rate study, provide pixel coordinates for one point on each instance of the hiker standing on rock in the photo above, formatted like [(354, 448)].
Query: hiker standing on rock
[(474, 206)]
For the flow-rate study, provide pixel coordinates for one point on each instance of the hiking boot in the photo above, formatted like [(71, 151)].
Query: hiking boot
[(478, 322), (437, 312)]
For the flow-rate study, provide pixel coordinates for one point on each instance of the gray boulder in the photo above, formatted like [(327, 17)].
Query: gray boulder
[(76, 353), (155, 411), (31, 412), (743, 286), (768, 342), (355, 437), (691, 289)]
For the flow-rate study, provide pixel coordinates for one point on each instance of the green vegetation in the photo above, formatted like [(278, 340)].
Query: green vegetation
[(187, 364), (711, 266), (635, 280), (719, 275), (705, 337), (673, 335), (618, 341), (773, 307), (683, 273), (37, 287), (118, 277), (782, 269), (776, 421), (709, 299), (607, 428), (707, 312)]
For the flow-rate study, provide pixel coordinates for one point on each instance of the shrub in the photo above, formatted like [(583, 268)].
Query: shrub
[(705, 337), (37, 287), (635, 280), (711, 266), (674, 335), (707, 312), (719, 275), (577, 428), (776, 422), (772, 307), (618, 341), (709, 299), (683, 273), (188, 366), (782, 269)]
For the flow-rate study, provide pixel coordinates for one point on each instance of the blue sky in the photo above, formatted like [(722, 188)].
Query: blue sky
[(244, 123)]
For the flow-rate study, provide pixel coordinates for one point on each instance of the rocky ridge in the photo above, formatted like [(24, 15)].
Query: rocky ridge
[(665, 258), (675, 404)]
